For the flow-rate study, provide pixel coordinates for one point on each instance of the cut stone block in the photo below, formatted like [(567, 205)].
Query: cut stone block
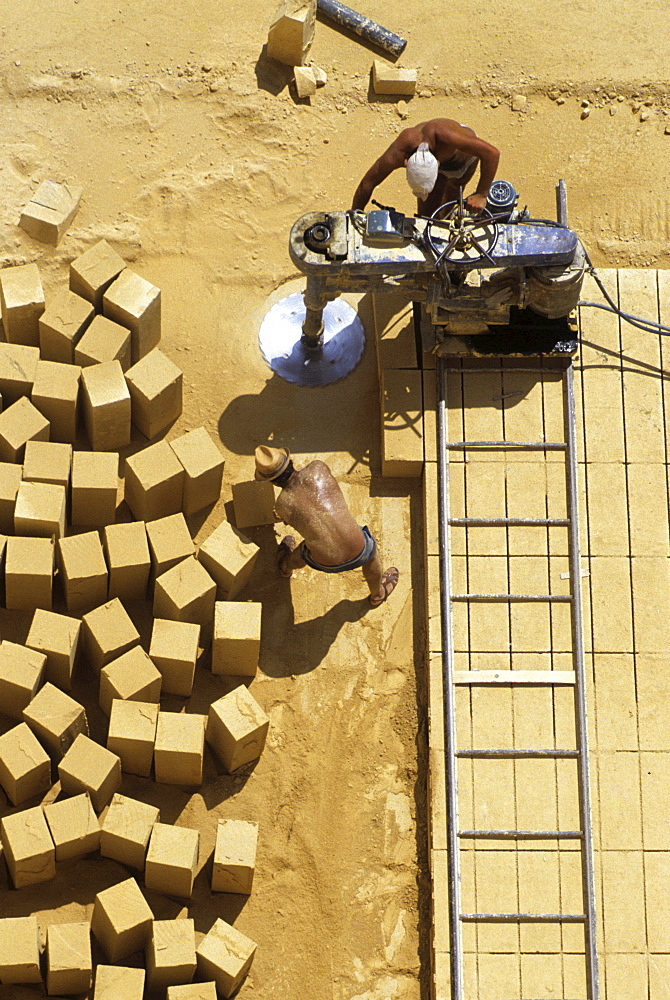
[(19, 950), (69, 962), (135, 303), (229, 558), (56, 719), (402, 423), (194, 991), (28, 848), (172, 859), (234, 856), (155, 385), (106, 406), (237, 638), (174, 651), (237, 728), (305, 81), (131, 677), (132, 734), (47, 462), (108, 633), (292, 32), (95, 484), (254, 503), (25, 769), (62, 324), (387, 79), (170, 954), (186, 593), (395, 336), (40, 510), (56, 395), (18, 364), (10, 480), (48, 214), (93, 272), (21, 674), (126, 829), (83, 571), (74, 826), (121, 922), (225, 955), (127, 552), (180, 747), (169, 542), (29, 567), (88, 767), (21, 422), (22, 300), (57, 637), (104, 340), (154, 482), (113, 982), (203, 469)]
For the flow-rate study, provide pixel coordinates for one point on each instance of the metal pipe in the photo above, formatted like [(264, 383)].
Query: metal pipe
[(362, 26)]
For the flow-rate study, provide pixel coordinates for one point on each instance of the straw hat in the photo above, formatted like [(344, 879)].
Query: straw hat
[(271, 462)]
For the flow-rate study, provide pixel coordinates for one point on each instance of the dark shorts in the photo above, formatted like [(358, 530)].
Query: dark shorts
[(367, 552)]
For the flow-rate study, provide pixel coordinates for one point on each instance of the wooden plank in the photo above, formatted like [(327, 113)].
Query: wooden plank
[(516, 677)]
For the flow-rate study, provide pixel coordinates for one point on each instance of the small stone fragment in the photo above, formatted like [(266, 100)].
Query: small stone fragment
[(519, 102), (320, 76), (305, 81)]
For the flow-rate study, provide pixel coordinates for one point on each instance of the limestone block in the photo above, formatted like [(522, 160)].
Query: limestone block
[(40, 510), (237, 638), (254, 503), (56, 719), (19, 950), (25, 769), (69, 962), (74, 826), (113, 982), (83, 571), (21, 675), (108, 633), (104, 340), (62, 324), (95, 483), (28, 848), (48, 214), (57, 637), (55, 393), (155, 386), (106, 406), (194, 991), (92, 273), (19, 423), (169, 542), (387, 79), (292, 32), (127, 553), (126, 829), (229, 558), (10, 479), (88, 767), (29, 566), (395, 336), (186, 593), (402, 424), (170, 953), (237, 728), (172, 859), (131, 677), (22, 300), (18, 364), (132, 734), (234, 856), (180, 748), (154, 482), (203, 469), (225, 955), (121, 923), (47, 462), (174, 651), (135, 303), (305, 81)]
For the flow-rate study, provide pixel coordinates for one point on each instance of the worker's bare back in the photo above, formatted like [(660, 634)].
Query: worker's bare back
[(445, 138)]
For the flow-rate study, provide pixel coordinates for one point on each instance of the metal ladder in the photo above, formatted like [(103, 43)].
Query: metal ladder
[(451, 677)]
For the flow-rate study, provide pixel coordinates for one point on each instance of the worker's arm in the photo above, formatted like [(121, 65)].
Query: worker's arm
[(489, 158), (389, 161)]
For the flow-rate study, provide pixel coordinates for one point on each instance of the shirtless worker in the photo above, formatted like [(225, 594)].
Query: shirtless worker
[(440, 157), (311, 502)]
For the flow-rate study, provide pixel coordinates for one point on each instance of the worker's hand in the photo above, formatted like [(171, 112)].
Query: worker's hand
[(476, 203)]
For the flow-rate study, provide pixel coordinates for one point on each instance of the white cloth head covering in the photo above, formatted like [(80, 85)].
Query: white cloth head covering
[(422, 168)]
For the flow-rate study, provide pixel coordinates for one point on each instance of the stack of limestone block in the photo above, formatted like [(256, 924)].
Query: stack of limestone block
[(87, 366)]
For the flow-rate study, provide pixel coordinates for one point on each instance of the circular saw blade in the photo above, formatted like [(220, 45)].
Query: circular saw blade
[(280, 340)]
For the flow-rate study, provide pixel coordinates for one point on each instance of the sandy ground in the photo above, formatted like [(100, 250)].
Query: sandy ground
[(195, 159)]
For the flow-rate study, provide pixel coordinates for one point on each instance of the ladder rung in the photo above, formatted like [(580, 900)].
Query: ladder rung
[(513, 598), (518, 754), (525, 918), (523, 445), (500, 677), (520, 834), (515, 522)]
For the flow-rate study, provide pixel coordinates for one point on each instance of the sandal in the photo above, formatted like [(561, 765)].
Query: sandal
[(286, 547), (389, 581)]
